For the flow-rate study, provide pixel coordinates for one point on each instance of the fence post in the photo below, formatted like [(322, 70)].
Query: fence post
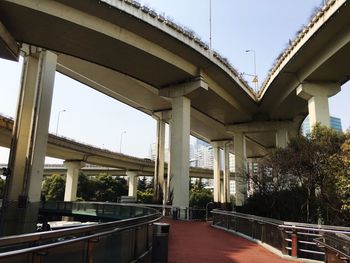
[(284, 242), (294, 243), (263, 232)]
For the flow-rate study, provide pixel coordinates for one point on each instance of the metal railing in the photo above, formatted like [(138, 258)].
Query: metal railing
[(102, 210), (336, 246), (175, 212), (128, 240), (290, 238)]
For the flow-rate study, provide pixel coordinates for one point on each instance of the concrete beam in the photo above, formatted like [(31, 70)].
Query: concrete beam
[(258, 126), (9, 48), (113, 31), (317, 95), (184, 88)]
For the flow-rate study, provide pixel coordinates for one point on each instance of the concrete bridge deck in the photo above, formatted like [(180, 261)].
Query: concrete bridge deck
[(192, 242)]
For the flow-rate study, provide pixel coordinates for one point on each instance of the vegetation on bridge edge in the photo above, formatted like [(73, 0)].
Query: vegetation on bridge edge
[(308, 181)]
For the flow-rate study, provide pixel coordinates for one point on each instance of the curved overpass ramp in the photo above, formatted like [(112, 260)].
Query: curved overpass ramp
[(124, 52), (319, 54), (66, 149)]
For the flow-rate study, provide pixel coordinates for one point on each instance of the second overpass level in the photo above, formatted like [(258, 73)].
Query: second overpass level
[(105, 160)]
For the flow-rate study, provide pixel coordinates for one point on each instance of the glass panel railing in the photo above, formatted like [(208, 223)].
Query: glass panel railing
[(70, 253), (126, 240)]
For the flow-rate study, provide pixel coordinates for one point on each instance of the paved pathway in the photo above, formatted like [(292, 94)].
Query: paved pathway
[(191, 242)]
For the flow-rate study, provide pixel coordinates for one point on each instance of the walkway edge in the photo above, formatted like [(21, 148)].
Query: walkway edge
[(266, 246)]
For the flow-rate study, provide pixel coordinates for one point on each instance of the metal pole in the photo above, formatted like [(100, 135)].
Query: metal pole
[(256, 83), (255, 76), (58, 120), (210, 24)]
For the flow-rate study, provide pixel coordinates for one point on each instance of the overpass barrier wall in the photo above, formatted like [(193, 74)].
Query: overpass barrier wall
[(124, 240), (298, 240), (174, 212)]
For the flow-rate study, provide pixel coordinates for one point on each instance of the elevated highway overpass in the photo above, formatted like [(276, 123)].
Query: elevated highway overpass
[(138, 57), (70, 150)]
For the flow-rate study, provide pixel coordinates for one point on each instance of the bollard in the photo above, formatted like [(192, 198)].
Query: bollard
[(294, 238), (175, 212), (160, 242)]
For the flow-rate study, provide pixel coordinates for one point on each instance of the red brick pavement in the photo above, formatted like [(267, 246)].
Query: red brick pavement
[(191, 242)]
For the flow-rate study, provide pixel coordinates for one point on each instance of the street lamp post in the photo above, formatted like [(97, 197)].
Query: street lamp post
[(255, 80), (210, 24), (58, 120), (121, 140)]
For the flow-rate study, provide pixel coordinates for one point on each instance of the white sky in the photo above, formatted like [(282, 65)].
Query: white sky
[(93, 118)]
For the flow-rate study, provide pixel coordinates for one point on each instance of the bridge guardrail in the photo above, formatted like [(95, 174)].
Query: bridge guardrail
[(336, 246), (290, 238), (189, 213), (126, 240)]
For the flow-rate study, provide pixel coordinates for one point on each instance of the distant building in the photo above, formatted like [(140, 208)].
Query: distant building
[(335, 123), (232, 162), (204, 157), (153, 153)]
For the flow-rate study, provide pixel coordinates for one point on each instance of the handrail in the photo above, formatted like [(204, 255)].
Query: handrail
[(287, 224), (291, 238), (36, 243), (337, 251), (74, 240), (318, 228), (247, 216), (40, 236)]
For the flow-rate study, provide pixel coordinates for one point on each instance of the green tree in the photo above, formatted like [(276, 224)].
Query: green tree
[(301, 180), (199, 196), (109, 188), (145, 196), (53, 188), (342, 168), (143, 184), (2, 187), (86, 188)]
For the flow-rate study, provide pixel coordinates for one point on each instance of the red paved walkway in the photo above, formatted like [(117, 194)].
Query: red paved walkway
[(191, 242)]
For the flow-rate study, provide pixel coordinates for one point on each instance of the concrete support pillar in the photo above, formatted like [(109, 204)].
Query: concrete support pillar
[(132, 181), (167, 193), (282, 138), (226, 184), (216, 170), (159, 184), (72, 178), (179, 148), (29, 143), (317, 95), (222, 193), (240, 172)]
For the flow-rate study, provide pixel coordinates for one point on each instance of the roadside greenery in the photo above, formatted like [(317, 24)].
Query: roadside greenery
[(308, 181), (2, 188), (102, 187), (145, 190), (199, 196)]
